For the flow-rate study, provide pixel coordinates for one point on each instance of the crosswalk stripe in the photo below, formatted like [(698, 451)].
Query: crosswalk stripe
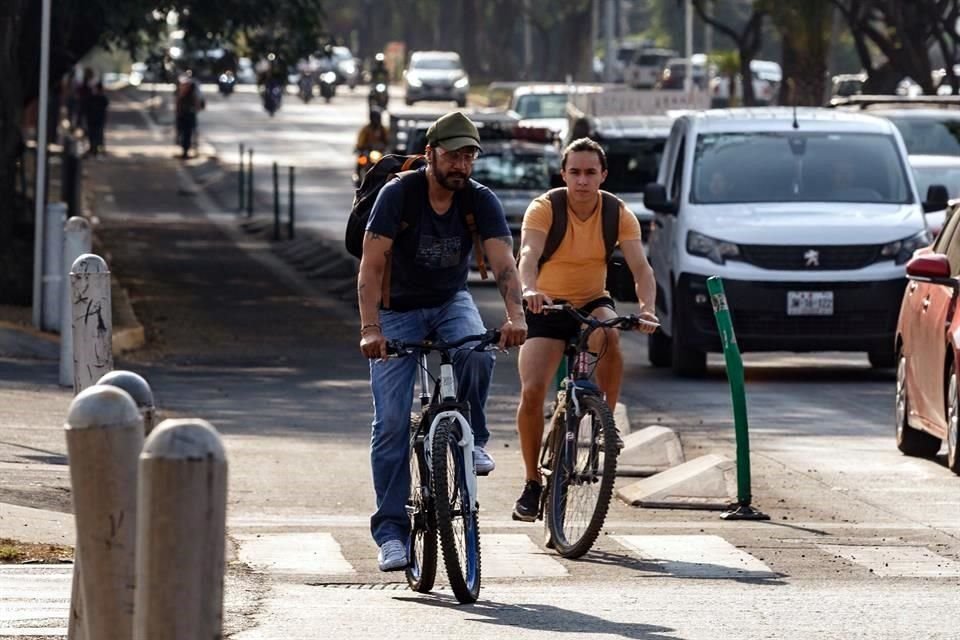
[(695, 556), (514, 555), (314, 553), (895, 561), (33, 632)]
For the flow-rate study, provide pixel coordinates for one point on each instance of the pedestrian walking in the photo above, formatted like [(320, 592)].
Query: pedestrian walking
[(97, 105), (189, 102)]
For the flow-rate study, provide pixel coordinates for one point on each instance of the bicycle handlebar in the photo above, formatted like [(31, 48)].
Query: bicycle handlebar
[(401, 348), (620, 322)]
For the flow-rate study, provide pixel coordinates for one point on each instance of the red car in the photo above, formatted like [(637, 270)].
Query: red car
[(928, 348)]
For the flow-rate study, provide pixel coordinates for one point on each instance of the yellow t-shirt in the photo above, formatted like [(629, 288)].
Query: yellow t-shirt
[(577, 270)]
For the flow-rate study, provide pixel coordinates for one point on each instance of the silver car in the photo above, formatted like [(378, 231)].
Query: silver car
[(436, 75)]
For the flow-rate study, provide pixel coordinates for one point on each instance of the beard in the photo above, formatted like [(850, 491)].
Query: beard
[(452, 180)]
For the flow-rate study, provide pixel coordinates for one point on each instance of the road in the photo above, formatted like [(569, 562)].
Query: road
[(862, 542)]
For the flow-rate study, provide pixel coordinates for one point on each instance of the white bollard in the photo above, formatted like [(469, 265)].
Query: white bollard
[(77, 240), (139, 390), (53, 270), (104, 434), (181, 530), (92, 323)]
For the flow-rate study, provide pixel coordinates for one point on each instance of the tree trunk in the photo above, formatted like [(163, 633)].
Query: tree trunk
[(575, 54), (11, 110), (804, 26), (470, 27)]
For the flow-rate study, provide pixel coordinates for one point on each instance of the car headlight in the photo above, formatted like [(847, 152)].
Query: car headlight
[(414, 81), (348, 68), (462, 82), (717, 251), (902, 250)]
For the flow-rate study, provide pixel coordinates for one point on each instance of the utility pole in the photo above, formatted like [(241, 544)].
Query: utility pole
[(40, 191), (610, 53), (527, 41), (688, 47)]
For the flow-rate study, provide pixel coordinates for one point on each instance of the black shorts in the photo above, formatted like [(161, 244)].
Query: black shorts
[(560, 325)]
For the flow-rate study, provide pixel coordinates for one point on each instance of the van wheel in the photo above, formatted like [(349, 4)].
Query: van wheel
[(658, 349), (687, 362), (910, 441), (882, 358)]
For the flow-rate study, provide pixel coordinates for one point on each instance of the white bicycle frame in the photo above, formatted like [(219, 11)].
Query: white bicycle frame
[(448, 392)]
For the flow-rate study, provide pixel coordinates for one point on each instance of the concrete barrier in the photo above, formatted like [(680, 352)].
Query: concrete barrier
[(77, 241), (707, 482), (91, 320), (139, 390), (650, 450)]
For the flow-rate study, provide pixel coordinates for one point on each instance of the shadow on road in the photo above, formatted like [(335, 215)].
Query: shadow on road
[(684, 570)]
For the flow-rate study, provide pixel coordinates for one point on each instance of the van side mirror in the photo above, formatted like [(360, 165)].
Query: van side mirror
[(655, 199), (937, 198)]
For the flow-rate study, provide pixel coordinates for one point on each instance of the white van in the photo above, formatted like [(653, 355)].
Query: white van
[(807, 215)]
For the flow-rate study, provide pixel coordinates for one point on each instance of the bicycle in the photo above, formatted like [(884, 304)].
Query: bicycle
[(578, 458), (443, 498)]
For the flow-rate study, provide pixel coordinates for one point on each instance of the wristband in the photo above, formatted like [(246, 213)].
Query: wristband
[(372, 325)]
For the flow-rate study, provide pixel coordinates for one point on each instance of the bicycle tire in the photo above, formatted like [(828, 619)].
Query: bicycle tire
[(448, 474), (577, 467), (422, 570)]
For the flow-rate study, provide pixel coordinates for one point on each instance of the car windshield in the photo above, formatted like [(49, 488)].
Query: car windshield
[(632, 163), (948, 176), (511, 170), (440, 64), (798, 167), (552, 105), (929, 136)]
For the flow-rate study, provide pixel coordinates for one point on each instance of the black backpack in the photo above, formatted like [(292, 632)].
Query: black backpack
[(610, 212)]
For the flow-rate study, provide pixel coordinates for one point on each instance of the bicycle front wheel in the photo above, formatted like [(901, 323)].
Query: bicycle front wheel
[(457, 523), (422, 570), (581, 482)]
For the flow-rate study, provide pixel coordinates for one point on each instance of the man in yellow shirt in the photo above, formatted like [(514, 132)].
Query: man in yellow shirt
[(575, 273)]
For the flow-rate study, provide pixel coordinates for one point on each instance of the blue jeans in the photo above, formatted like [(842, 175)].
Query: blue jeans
[(392, 383)]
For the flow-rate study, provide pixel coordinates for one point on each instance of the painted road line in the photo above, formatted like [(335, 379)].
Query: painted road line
[(313, 553), (695, 556), (32, 595), (514, 555), (895, 561)]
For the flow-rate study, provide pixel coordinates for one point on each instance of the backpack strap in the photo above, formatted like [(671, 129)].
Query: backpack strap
[(610, 211), (470, 216), (558, 227), (408, 219), (610, 220)]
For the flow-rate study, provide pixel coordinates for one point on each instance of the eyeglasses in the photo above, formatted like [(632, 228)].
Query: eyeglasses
[(460, 155)]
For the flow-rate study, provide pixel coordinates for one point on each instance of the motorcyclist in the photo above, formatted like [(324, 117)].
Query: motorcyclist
[(373, 136), (379, 72)]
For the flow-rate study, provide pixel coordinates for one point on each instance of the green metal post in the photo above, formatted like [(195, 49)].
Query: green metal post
[(731, 353)]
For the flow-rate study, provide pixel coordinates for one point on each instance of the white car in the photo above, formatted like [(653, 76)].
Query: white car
[(808, 217), (436, 75), (766, 77)]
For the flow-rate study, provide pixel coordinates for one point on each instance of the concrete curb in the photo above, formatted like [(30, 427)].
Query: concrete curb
[(707, 482), (650, 450), (39, 526)]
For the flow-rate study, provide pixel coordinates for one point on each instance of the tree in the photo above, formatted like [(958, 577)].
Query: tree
[(747, 39), (804, 26)]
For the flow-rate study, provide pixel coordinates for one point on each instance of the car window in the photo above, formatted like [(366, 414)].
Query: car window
[(798, 167), (439, 64), (944, 175), (512, 170), (953, 252), (929, 136), (631, 163), (542, 106), (946, 237)]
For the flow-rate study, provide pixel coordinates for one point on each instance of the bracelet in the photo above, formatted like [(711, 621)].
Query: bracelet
[(372, 325)]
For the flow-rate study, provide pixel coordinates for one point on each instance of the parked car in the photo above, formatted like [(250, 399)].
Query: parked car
[(808, 215), (436, 75), (675, 72), (646, 67), (928, 357), (766, 77)]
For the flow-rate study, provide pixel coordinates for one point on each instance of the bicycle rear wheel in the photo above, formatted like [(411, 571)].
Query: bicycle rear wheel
[(457, 523), (581, 482), (422, 570)]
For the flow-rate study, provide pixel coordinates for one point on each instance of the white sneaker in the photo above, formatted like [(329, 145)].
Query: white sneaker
[(392, 556), (482, 461)]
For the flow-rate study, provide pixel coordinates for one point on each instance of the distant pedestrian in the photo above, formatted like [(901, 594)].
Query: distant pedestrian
[(189, 102), (97, 105)]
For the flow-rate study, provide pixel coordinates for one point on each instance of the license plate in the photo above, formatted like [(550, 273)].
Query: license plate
[(809, 303)]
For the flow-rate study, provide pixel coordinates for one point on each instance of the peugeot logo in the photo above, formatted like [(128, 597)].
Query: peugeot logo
[(811, 258)]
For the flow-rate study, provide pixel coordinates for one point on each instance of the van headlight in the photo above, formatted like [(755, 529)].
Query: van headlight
[(902, 250), (717, 251), (461, 83), (414, 81)]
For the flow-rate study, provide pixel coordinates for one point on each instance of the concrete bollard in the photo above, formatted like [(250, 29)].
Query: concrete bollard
[(181, 525), (77, 240), (104, 434), (53, 270), (92, 322), (139, 390)]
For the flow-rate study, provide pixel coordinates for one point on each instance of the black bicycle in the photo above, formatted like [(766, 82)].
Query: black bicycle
[(578, 458), (443, 498)]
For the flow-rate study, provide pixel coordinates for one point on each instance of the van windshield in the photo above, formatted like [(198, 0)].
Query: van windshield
[(798, 167), (631, 163)]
